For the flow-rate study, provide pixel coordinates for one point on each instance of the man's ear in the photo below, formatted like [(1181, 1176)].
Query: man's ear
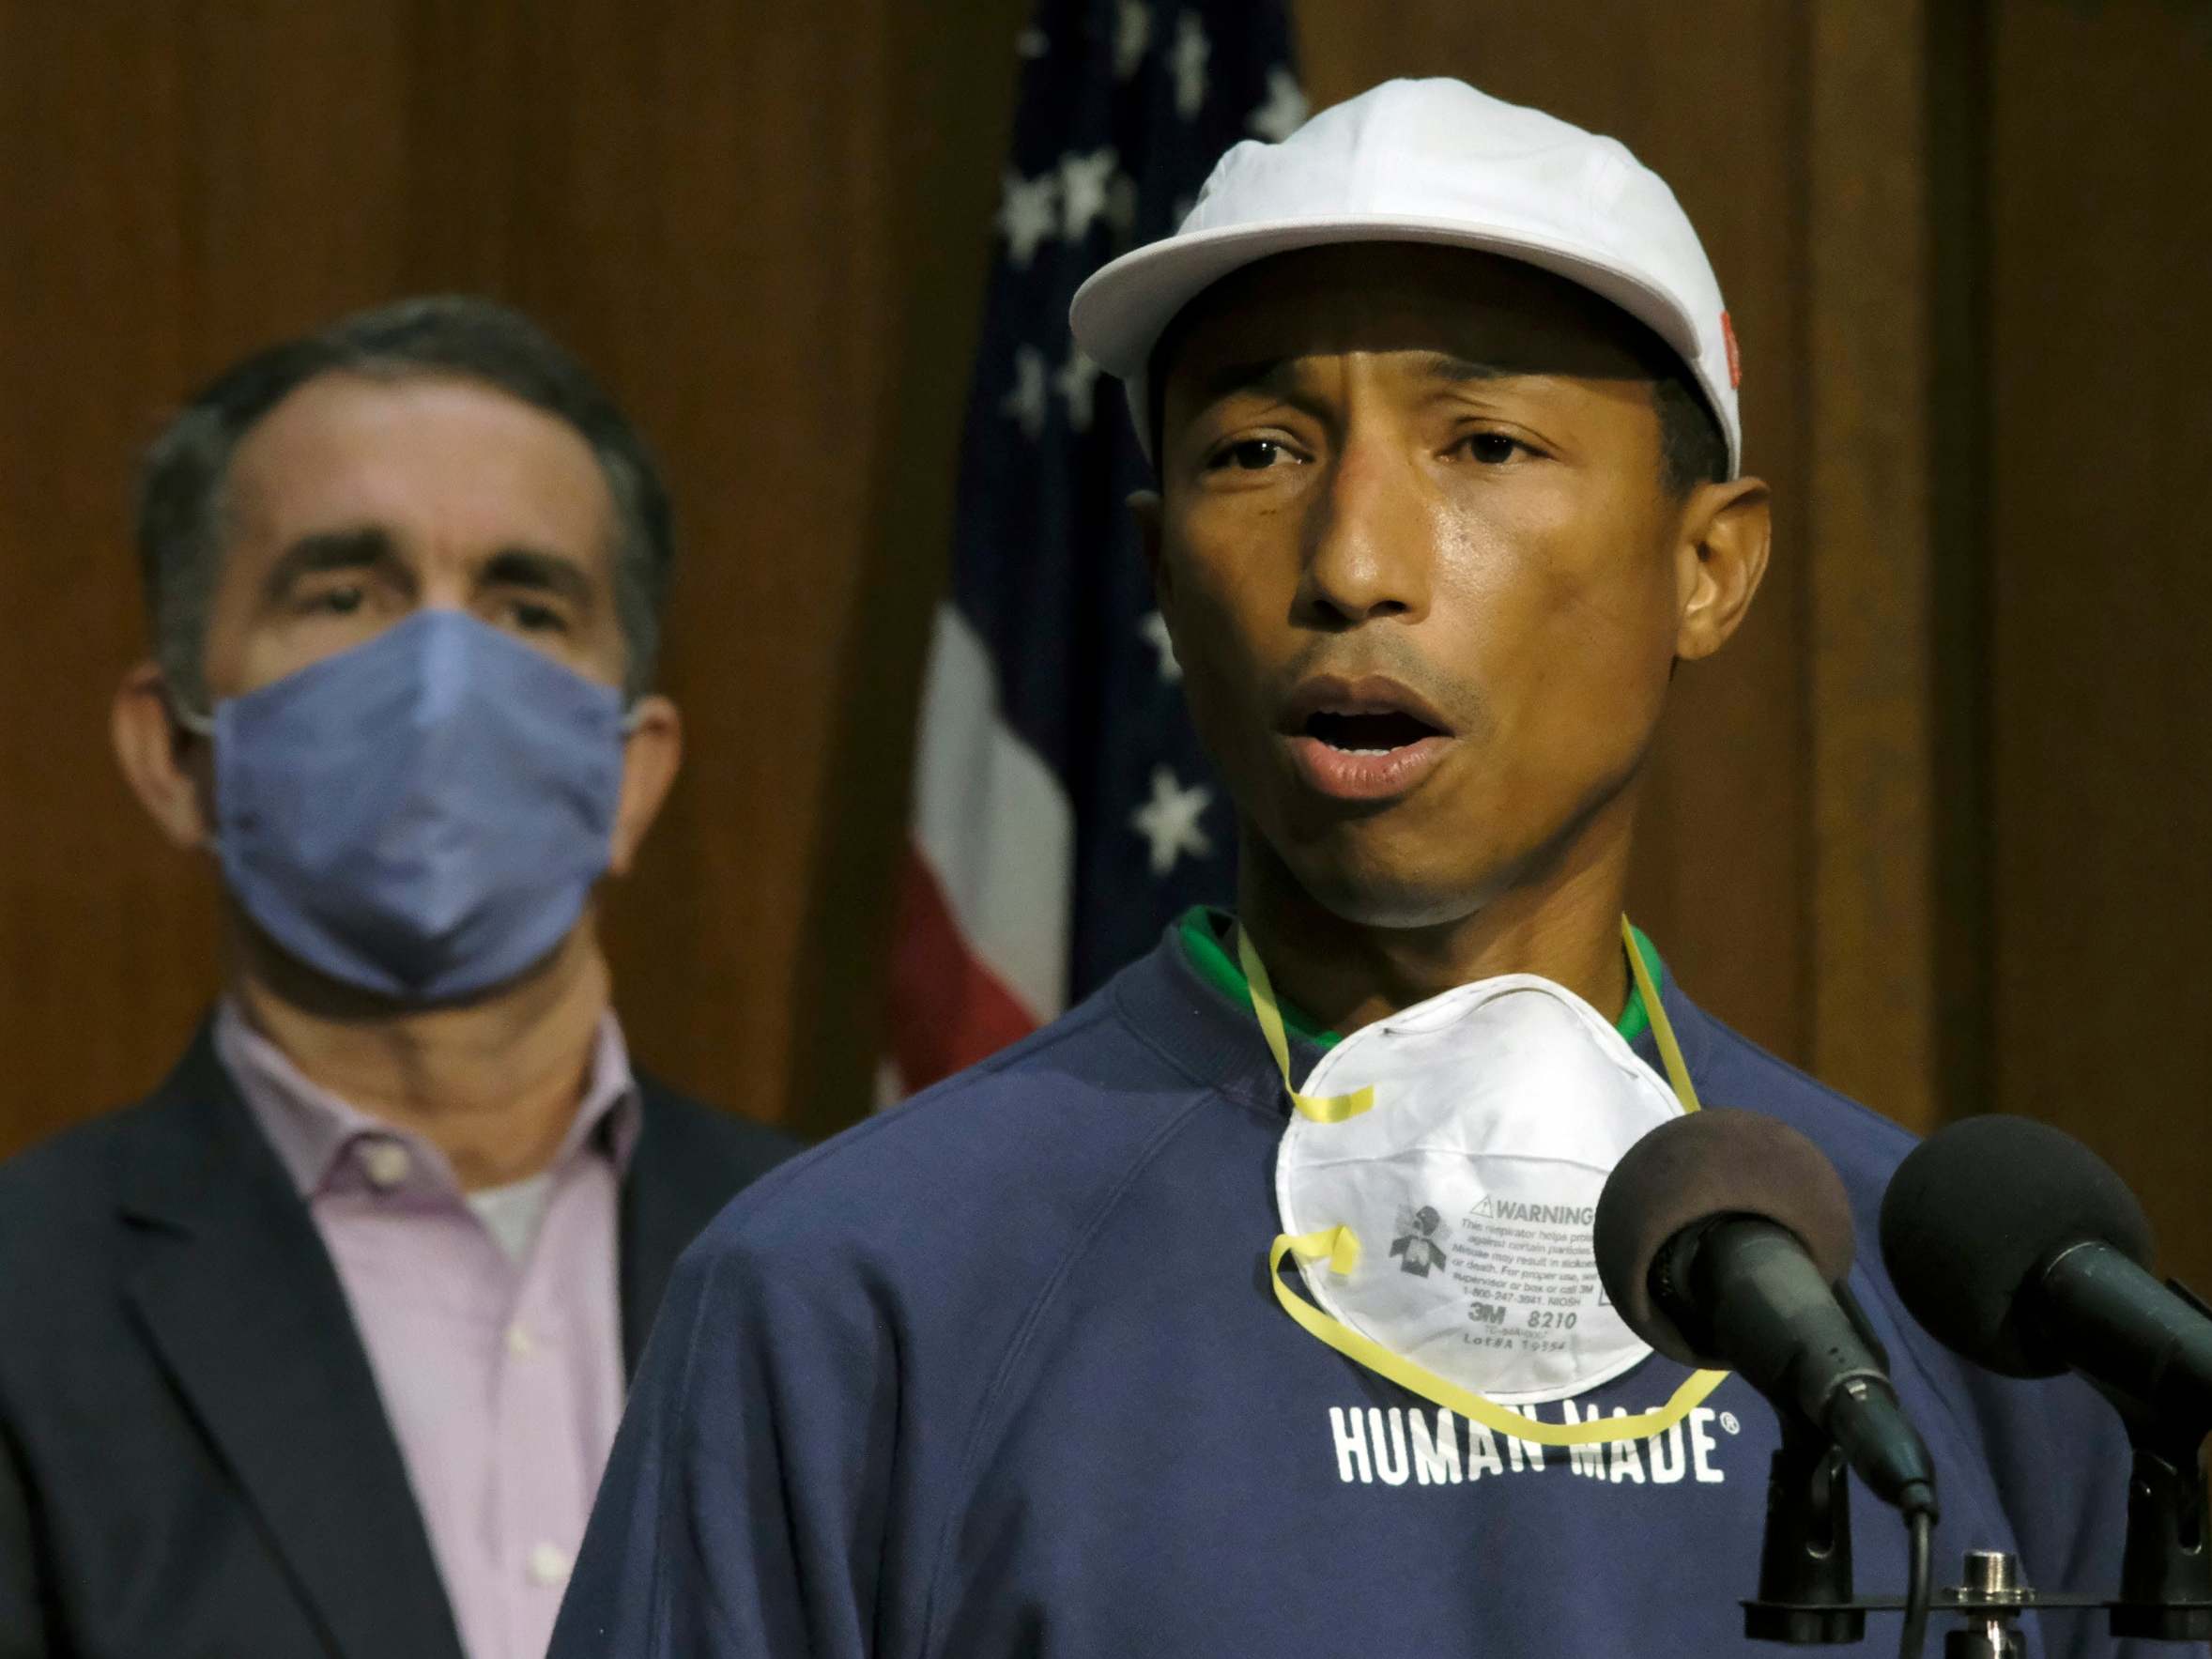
[(1144, 512), (652, 755), (1728, 531), (167, 768)]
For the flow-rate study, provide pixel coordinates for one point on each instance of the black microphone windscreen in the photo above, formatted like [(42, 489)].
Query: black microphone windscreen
[(1975, 1209), (1699, 1168)]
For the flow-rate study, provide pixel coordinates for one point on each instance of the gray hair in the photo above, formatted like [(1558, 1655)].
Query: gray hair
[(181, 509)]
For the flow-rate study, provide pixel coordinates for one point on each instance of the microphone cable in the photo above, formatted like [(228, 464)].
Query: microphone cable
[(1919, 1584)]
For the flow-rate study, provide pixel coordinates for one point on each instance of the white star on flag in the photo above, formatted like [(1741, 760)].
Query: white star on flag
[(1285, 110), (1084, 191), (1132, 33), (1169, 820), (1152, 631), (1188, 63), (1027, 215), (1075, 383), (1025, 402), (1032, 44)]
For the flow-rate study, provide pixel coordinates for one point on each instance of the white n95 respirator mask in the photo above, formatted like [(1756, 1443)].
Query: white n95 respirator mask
[(1438, 1183)]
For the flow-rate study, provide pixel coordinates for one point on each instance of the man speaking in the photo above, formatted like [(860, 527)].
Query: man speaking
[(1075, 1354), (319, 1351)]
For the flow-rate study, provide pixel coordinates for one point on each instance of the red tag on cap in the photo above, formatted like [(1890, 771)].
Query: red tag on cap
[(1728, 334)]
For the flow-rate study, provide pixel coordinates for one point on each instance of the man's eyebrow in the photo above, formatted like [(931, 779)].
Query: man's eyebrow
[(1442, 365), (1279, 375), (1268, 374), (535, 568), (360, 548)]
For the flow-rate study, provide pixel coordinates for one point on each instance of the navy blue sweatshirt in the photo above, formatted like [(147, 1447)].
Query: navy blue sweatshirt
[(998, 1373)]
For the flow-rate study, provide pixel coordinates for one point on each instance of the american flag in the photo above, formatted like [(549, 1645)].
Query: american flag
[(1063, 811)]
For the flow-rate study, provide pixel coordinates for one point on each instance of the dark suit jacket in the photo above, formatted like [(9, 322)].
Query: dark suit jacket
[(194, 1459)]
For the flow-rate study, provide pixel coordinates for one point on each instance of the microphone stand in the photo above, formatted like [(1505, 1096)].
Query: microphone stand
[(1804, 1558), (2165, 1573), (2165, 1569)]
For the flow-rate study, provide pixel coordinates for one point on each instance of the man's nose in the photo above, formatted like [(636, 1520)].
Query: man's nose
[(440, 588), (1369, 540)]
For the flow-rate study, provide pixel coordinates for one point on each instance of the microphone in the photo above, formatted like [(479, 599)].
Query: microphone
[(2018, 1247), (1723, 1237)]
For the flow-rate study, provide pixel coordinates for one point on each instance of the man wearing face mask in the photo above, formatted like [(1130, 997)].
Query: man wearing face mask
[(1249, 1308), (319, 1350)]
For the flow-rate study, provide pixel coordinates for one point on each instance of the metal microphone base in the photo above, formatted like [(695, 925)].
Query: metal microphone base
[(1986, 1639), (1989, 1631), (1991, 1600)]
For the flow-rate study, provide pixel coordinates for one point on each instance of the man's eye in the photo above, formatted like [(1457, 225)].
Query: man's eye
[(1493, 449), (1254, 455), (337, 601), (536, 619)]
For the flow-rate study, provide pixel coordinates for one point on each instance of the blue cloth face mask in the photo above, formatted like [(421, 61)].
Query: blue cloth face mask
[(423, 816)]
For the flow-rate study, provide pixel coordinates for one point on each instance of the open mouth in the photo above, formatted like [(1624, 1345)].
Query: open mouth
[(1375, 732), (1368, 740)]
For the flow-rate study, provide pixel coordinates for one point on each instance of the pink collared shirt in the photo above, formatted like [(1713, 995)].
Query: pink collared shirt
[(492, 1321)]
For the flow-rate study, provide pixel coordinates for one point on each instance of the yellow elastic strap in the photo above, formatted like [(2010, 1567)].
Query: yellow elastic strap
[(1670, 1052), (1342, 1250), (1320, 1108)]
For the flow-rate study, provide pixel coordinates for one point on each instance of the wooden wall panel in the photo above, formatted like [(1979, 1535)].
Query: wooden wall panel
[(1711, 96), (2101, 588), (1868, 651), (77, 884)]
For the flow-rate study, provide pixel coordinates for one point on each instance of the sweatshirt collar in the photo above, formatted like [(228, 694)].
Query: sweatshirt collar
[(1206, 934)]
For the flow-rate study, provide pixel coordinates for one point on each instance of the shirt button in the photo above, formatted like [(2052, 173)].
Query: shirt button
[(519, 1341), (387, 1163), (548, 1565)]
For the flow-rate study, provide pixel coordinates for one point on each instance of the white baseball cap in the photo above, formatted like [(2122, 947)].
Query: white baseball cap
[(1430, 161)]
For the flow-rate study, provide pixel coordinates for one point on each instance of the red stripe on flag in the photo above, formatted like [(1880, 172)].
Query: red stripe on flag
[(948, 1009)]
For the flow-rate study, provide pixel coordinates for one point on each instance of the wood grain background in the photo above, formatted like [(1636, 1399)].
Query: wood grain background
[(1936, 825)]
